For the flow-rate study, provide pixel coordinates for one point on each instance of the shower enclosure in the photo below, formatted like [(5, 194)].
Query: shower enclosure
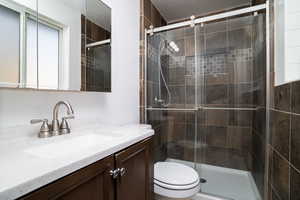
[(206, 84)]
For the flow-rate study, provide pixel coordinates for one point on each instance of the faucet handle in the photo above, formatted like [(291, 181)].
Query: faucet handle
[(44, 130), (68, 117), (36, 121), (64, 126)]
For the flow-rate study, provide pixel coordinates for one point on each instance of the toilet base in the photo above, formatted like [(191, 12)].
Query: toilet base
[(162, 193)]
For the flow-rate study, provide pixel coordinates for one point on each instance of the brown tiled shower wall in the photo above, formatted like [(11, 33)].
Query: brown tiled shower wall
[(284, 144), (284, 139)]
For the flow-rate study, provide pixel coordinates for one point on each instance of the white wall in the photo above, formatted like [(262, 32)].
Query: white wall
[(287, 41), (119, 107)]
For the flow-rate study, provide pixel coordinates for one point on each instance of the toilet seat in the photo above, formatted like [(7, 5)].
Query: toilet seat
[(175, 180), (176, 187)]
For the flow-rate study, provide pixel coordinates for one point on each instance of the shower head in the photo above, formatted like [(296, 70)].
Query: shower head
[(173, 46)]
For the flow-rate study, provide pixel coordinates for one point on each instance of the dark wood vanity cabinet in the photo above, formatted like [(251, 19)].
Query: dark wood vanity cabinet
[(135, 182), (92, 182), (95, 181)]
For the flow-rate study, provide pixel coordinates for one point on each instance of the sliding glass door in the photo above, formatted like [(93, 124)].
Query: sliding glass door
[(231, 81), (205, 89), (172, 94)]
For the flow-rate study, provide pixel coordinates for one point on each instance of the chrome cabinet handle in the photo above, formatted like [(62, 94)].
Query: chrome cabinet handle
[(122, 171), (117, 172), (114, 173)]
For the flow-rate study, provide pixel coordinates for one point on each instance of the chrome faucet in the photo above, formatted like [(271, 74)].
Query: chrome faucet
[(64, 127), (55, 128)]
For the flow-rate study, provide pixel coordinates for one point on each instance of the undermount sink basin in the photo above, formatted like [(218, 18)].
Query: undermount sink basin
[(69, 146)]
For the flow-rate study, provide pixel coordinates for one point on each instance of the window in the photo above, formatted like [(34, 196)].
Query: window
[(48, 57), (37, 65), (47, 71), (10, 47), (31, 54)]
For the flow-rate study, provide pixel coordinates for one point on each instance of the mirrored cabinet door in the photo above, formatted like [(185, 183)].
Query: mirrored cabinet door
[(18, 49), (97, 67), (55, 45), (59, 44)]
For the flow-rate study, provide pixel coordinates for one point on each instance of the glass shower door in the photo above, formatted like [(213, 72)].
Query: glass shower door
[(171, 69), (171, 94), (230, 78)]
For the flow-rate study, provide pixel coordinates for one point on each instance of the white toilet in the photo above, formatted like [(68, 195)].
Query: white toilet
[(175, 181)]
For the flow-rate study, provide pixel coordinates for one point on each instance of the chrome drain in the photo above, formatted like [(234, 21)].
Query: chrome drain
[(202, 180)]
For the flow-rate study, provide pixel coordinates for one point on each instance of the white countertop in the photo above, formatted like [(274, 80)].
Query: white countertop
[(29, 163)]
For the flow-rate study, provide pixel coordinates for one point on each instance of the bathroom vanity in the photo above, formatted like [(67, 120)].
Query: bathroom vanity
[(95, 163), (124, 175)]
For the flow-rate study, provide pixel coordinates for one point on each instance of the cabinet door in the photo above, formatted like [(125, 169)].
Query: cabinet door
[(136, 182), (90, 183)]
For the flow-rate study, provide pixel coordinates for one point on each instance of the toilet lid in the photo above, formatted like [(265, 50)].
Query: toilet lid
[(175, 174)]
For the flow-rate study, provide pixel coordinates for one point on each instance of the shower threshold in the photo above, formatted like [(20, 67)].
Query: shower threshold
[(223, 183)]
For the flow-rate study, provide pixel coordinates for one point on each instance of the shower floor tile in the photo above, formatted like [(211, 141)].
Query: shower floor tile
[(224, 182)]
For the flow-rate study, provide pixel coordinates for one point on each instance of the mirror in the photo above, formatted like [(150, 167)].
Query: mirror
[(18, 21), (97, 68), (67, 46), (287, 41)]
